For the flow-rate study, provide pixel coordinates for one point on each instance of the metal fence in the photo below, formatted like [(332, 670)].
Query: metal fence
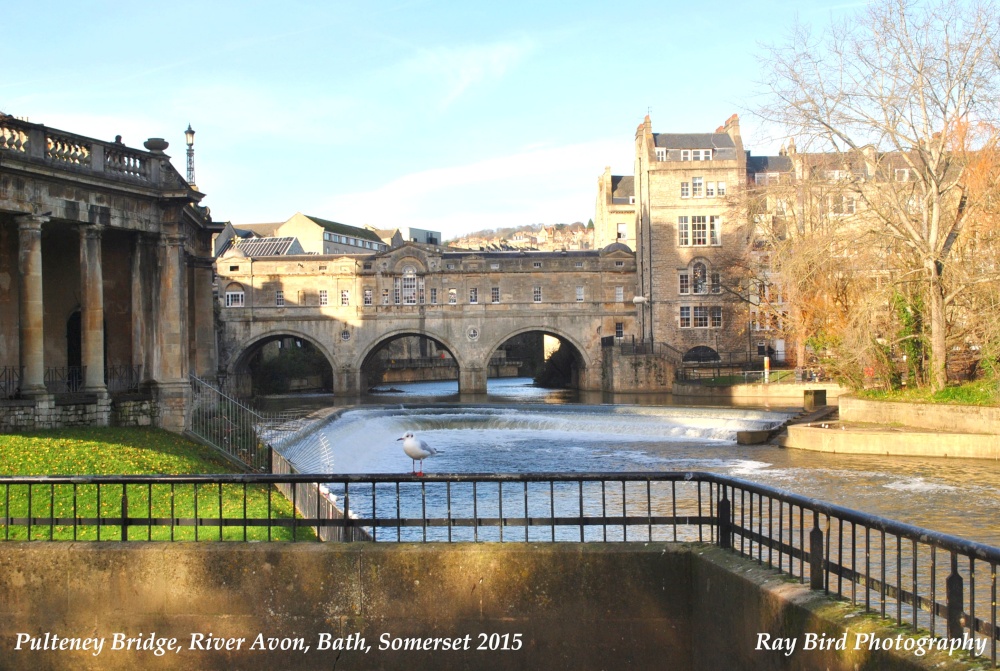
[(244, 434), (920, 578), (10, 381)]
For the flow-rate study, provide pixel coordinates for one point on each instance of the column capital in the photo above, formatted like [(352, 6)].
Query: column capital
[(28, 222), (92, 230)]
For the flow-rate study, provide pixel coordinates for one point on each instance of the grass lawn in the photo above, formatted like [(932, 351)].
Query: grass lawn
[(978, 392), (128, 451)]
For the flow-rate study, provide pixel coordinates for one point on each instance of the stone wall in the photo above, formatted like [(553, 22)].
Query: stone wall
[(765, 393), (572, 606), (937, 417), (636, 372), (50, 412)]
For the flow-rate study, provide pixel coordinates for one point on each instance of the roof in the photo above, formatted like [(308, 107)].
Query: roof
[(345, 229), (270, 246), (769, 164), (693, 140), (259, 229), (622, 186)]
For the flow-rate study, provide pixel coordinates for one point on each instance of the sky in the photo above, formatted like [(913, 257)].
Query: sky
[(448, 116)]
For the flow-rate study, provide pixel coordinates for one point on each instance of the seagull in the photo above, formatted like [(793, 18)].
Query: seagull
[(417, 450)]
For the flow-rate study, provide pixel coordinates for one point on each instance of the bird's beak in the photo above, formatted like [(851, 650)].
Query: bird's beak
[(398, 439)]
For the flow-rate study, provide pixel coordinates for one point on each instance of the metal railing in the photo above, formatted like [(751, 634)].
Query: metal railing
[(123, 378), (242, 433), (65, 379), (920, 578), (10, 381)]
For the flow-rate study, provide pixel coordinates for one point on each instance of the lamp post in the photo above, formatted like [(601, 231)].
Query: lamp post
[(640, 302), (189, 138)]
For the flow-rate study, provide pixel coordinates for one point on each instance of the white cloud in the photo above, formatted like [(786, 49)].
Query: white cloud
[(456, 69), (550, 185)]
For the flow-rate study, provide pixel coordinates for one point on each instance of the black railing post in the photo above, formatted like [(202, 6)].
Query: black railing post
[(816, 554), (953, 592), (270, 458), (124, 513), (725, 524)]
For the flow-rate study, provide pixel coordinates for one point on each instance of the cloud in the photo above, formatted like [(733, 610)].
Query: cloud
[(549, 184), (456, 69)]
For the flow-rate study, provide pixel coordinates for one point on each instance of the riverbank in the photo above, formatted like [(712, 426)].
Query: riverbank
[(892, 428)]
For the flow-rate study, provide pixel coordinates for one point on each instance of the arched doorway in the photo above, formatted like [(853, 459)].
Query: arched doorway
[(701, 354)]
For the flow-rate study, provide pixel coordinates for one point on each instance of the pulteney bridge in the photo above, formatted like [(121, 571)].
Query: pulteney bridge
[(469, 303)]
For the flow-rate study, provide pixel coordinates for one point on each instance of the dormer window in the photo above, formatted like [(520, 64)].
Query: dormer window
[(696, 154), (661, 154)]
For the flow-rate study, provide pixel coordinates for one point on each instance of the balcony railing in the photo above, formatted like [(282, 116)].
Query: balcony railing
[(920, 578), (10, 381)]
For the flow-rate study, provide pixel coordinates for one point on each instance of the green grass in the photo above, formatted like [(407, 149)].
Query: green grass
[(122, 451), (979, 392)]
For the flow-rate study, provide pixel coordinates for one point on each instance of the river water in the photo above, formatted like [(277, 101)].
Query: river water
[(520, 428)]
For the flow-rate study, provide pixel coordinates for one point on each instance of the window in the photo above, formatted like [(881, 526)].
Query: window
[(683, 232), (536, 264), (473, 295), (715, 314), (579, 294), (841, 204), (684, 285), (685, 154), (701, 317), (619, 294), (368, 297), (713, 230), (408, 286), (578, 264), (619, 264), (685, 317), (722, 189), (619, 329), (494, 294), (902, 174), (716, 283), (622, 231), (536, 294), (279, 298), (323, 297), (836, 174), (710, 189), (434, 295), (698, 187), (701, 155), (661, 154), (685, 189), (234, 296), (765, 178), (494, 266), (452, 296), (345, 297), (699, 231), (699, 272), (234, 269), (385, 297)]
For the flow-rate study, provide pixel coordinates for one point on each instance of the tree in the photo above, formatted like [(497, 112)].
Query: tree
[(893, 92)]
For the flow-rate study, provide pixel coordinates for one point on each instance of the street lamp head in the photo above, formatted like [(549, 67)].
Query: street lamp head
[(189, 136)]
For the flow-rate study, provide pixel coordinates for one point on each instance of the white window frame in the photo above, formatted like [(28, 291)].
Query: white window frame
[(279, 298), (683, 284), (683, 231), (473, 295), (368, 297), (661, 153), (715, 317), (434, 295), (452, 296), (494, 295), (699, 230), (323, 297), (579, 294), (685, 154), (345, 298), (710, 189), (685, 317), (536, 294), (697, 187), (721, 189), (619, 294), (685, 189), (235, 299)]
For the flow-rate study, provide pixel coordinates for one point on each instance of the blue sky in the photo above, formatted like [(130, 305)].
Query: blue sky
[(452, 116)]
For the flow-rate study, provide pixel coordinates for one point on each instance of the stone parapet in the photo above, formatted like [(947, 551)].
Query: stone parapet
[(933, 416)]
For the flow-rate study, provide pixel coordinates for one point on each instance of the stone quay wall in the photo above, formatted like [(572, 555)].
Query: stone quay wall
[(933, 416), (371, 606)]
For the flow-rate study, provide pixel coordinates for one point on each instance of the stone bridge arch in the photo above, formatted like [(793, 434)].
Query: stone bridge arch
[(585, 361), (238, 368), (364, 355)]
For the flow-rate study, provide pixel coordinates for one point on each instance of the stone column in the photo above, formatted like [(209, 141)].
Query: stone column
[(204, 360), (171, 338), (471, 380), (92, 309), (171, 343), (32, 315)]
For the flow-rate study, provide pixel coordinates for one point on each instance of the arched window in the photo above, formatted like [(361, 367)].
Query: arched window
[(699, 278), (234, 295)]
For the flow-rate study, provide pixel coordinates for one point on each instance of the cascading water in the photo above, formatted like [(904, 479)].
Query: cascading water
[(954, 496)]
